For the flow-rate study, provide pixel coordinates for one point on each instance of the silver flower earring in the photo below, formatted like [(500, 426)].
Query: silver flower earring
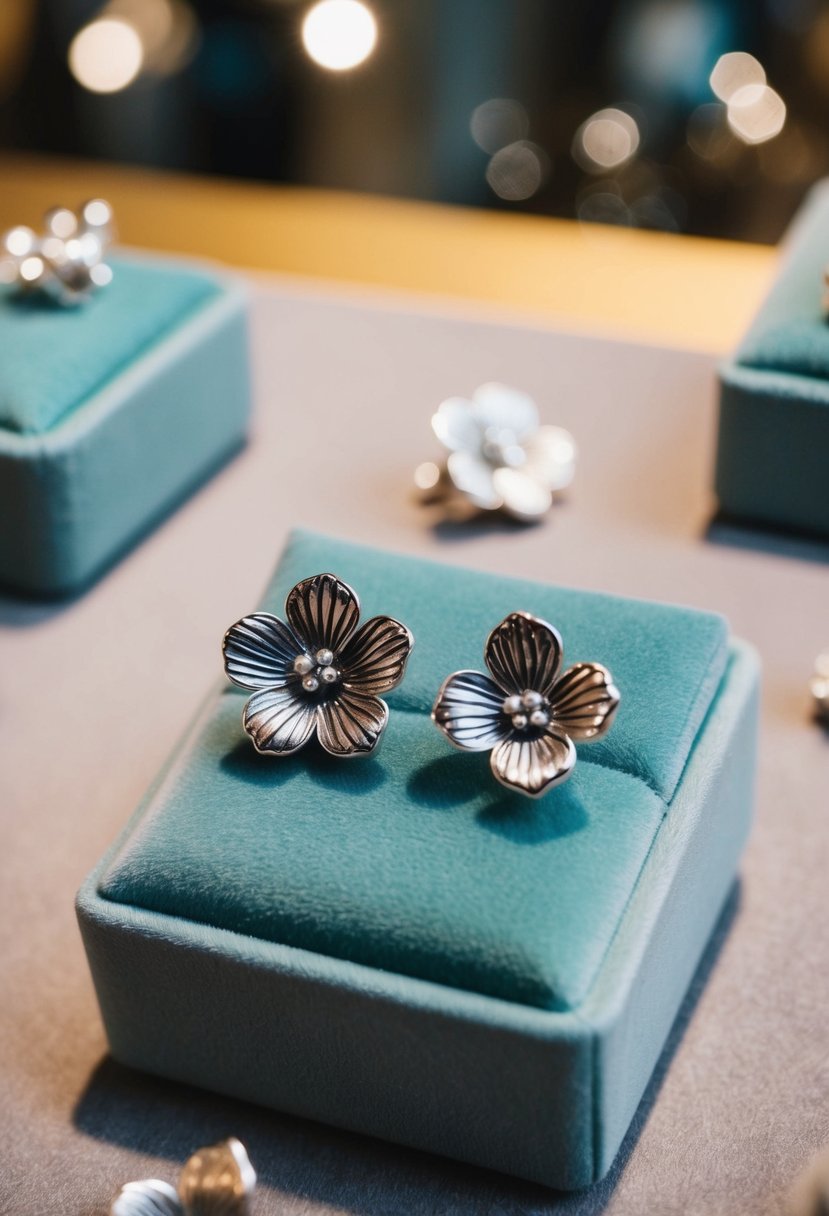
[(526, 713), (215, 1181), (318, 673), (499, 457), (67, 262)]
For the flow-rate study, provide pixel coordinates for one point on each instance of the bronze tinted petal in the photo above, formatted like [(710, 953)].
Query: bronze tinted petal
[(584, 701), (533, 766), (218, 1181), (351, 724), (374, 659), (524, 652), (323, 612)]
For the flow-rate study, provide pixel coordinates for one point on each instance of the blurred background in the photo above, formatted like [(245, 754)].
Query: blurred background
[(695, 116)]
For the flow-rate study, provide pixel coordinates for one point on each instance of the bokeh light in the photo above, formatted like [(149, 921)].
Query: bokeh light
[(498, 122), (106, 55), (339, 34), (607, 140), (756, 113), (735, 71), (517, 171)]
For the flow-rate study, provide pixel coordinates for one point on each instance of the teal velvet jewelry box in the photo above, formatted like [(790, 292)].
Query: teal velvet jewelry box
[(111, 413), (773, 444), (398, 945)]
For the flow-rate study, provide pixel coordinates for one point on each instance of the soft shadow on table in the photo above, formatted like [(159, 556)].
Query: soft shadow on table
[(347, 1172), (779, 542), (18, 612)]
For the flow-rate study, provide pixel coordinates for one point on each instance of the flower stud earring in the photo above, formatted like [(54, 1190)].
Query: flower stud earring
[(317, 673), (499, 457), (527, 714), (67, 262), (215, 1181)]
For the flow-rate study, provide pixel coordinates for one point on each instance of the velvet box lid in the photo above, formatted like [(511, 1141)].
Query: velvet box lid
[(111, 413)]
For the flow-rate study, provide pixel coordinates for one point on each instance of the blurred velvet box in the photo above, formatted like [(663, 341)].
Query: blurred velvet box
[(111, 413), (399, 946), (773, 448)]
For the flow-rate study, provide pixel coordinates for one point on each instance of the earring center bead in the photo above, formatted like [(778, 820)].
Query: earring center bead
[(317, 669), (527, 709)]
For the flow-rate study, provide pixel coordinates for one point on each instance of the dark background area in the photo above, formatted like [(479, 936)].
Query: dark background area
[(478, 102)]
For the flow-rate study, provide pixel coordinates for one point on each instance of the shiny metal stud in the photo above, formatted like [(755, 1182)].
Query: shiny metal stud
[(215, 1181), (819, 688), (67, 262), (318, 673), (527, 714), (498, 457)]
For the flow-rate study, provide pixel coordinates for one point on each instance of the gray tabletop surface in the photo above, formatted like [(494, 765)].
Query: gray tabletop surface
[(94, 693)]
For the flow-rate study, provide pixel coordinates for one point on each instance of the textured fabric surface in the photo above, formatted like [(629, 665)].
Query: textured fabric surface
[(392, 861), (55, 358), (790, 333)]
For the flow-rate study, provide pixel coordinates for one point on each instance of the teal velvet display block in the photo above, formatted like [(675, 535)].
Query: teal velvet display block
[(110, 414), (773, 445), (401, 947)]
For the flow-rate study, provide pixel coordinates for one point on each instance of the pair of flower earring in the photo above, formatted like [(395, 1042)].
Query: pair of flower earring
[(317, 672)]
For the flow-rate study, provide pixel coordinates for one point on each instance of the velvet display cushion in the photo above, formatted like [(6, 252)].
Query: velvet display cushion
[(55, 359), (414, 860)]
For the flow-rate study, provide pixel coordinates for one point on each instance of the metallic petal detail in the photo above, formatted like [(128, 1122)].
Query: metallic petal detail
[(584, 701), (524, 652), (279, 720), (551, 457), (259, 651), (505, 409), (471, 475), (323, 611), (352, 724), (522, 496), (147, 1198), (374, 659), (468, 710), (455, 426), (218, 1181), (532, 766)]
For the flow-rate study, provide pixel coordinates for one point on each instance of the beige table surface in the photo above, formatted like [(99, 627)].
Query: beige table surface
[(93, 694)]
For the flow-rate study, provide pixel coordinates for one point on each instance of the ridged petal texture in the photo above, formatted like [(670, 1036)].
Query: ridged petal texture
[(218, 1181), (468, 710), (259, 651), (352, 724), (524, 652), (533, 766), (323, 611), (584, 701), (374, 659), (148, 1198), (279, 720)]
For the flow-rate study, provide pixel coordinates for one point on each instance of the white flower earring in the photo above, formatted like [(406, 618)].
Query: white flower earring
[(499, 457)]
